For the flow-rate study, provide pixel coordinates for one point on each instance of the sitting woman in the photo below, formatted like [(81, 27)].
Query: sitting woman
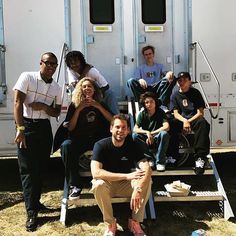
[(150, 130), (78, 68), (87, 121)]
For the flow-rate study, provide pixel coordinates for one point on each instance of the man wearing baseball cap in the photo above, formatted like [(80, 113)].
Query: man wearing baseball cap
[(188, 106)]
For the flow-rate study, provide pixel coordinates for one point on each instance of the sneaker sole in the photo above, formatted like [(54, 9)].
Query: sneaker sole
[(74, 198)]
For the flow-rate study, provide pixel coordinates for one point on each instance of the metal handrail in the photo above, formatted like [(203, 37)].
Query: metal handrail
[(63, 50), (194, 47)]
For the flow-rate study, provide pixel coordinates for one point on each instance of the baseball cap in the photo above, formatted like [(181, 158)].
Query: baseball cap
[(184, 75)]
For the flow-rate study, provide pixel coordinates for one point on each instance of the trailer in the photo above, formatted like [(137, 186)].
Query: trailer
[(195, 36)]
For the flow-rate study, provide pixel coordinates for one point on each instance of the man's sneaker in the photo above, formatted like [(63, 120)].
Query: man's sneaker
[(160, 167), (31, 222), (111, 230), (135, 228), (199, 166), (74, 193)]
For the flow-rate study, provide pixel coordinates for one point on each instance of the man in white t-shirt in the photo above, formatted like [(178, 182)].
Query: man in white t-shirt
[(37, 98)]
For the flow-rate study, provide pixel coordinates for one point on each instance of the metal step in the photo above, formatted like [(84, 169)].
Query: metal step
[(163, 196), (159, 196)]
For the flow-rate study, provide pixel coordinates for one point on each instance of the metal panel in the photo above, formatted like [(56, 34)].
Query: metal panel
[(232, 126), (104, 47), (170, 39)]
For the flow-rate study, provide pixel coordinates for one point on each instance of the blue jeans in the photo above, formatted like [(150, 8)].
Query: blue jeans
[(159, 147), (162, 89), (111, 101)]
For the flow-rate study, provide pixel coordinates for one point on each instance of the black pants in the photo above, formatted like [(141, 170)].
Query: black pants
[(33, 159), (201, 144), (71, 149)]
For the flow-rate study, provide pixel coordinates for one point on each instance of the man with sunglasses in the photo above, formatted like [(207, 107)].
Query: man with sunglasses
[(148, 78), (37, 98)]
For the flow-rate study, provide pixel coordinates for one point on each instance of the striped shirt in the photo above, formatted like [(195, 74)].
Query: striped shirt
[(36, 90)]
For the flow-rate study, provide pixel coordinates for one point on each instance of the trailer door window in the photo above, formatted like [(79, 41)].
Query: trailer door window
[(154, 11), (101, 11)]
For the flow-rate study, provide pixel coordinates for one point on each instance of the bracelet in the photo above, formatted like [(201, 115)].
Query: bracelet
[(20, 128)]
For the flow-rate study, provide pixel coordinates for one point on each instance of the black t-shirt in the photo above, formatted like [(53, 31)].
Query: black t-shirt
[(117, 159), (187, 103), (90, 123)]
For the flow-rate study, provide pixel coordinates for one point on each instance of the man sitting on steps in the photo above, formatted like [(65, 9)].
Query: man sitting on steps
[(113, 159), (188, 107)]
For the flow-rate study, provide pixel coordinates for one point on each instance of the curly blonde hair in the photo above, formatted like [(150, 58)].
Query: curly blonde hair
[(77, 96)]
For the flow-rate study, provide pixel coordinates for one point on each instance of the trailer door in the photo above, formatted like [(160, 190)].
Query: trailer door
[(164, 25), (103, 40)]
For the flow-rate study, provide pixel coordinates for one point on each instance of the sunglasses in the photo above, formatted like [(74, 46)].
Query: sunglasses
[(50, 63)]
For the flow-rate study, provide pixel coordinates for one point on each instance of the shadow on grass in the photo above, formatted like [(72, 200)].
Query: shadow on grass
[(8, 199)]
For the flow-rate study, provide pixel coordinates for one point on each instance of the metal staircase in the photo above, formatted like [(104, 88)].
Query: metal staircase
[(218, 194)]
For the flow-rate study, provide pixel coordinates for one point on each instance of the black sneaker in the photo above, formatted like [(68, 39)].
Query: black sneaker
[(31, 223), (74, 193), (199, 166)]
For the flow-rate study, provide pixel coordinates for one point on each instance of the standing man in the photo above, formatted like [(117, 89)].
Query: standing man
[(37, 98), (113, 159), (188, 107), (148, 77)]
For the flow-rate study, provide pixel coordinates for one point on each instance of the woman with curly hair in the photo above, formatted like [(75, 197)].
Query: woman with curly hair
[(78, 68), (87, 121)]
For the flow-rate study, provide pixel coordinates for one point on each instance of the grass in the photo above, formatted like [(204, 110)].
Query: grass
[(173, 219)]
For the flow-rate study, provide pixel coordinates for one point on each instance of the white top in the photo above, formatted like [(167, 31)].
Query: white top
[(36, 90), (93, 73)]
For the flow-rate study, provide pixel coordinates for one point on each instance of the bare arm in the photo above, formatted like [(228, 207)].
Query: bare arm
[(200, 113), (187, 122), (105, 113), (52, 110), (140, 184), (99, 173), (19, 99), (165, 127)]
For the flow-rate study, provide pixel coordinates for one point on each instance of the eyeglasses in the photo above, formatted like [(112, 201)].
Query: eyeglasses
[(50, 63)]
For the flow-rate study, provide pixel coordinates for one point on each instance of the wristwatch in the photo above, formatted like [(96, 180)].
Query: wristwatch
[(138, 189)]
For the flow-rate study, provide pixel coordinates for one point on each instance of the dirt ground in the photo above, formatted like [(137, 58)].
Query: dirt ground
[(173, 219)]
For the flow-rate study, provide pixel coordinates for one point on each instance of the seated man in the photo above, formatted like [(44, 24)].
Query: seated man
[(150, 130), (147, 77), (113, 159), (78, 68), (188, 107)]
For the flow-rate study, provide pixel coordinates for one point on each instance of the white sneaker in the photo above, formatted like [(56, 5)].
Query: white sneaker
[(74, 193), (160, 167)]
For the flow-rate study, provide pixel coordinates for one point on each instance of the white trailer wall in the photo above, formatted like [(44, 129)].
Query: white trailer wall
[(213, 25), (30, 28)]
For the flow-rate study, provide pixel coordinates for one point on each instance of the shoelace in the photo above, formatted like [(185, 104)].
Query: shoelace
[(200, 163)]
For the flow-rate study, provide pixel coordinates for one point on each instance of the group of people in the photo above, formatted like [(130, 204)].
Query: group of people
[(120, 163)]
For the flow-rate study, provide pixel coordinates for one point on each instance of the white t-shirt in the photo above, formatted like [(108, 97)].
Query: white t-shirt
[(36, 90), (93, 73)]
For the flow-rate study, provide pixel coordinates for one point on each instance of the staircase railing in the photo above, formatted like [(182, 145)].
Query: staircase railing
[(194, 47)]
